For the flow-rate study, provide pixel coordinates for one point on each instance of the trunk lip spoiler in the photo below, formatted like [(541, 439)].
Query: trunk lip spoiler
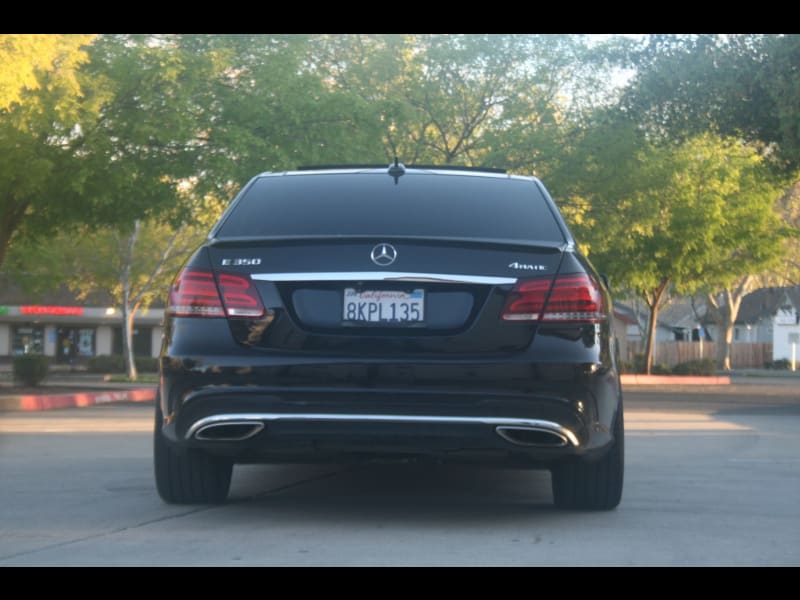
[(540, 245)]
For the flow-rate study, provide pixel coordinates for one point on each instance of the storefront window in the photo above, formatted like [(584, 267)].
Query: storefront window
[(85, 342), (142, 344), (74, 342), (28, 340)]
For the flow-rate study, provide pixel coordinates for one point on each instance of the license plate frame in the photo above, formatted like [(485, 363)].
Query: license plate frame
[(387, 308)]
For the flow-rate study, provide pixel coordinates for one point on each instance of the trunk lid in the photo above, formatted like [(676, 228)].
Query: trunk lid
[(452, 291)]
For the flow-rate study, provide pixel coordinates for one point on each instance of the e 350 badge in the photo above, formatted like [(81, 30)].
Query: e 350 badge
[(240, 262)]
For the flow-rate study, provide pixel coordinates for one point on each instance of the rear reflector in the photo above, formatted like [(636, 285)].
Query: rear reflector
[(196, 293), (573, 298)]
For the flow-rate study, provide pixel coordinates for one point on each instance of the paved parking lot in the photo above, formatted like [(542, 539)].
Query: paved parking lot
[(713, 477)]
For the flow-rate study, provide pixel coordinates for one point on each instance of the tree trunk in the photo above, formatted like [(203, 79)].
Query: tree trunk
[(726, 311), (128, 307), (651, 336), (724, 340), (654, 303), (132, 300), (127, 340)]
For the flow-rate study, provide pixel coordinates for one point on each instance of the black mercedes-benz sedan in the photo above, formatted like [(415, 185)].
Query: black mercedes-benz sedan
[(362, 313)]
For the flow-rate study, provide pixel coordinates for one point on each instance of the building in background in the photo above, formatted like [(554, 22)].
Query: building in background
[(68, 330), (771, 315)]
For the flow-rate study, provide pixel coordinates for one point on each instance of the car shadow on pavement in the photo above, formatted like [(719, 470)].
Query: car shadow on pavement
[(393, 491)]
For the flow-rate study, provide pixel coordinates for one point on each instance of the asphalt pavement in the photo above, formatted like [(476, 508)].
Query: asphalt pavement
[(712, 478)]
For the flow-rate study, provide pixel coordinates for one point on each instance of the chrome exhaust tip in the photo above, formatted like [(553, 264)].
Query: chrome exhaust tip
[(228, 431), (532, 436)]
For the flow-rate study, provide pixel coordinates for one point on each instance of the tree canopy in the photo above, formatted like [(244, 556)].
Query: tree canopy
[(671, 182), (741, 85), (32, 61), (685, 216), (104, 130)]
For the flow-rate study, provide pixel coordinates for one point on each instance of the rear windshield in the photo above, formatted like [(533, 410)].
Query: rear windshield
[(372, 204)]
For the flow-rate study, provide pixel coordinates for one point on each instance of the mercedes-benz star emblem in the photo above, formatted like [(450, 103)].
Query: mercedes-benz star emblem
[(383, 255)]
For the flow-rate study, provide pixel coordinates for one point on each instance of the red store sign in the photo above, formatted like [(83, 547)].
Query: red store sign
[(52, 310)]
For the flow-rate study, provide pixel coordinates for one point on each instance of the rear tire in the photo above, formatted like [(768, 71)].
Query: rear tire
[(189, 476), (593, 485)]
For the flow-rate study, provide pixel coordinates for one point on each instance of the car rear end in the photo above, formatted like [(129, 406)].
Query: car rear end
[(360, 314)]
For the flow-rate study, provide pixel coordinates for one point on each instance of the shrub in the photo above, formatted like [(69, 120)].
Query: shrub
[(115, 363), (147, 364), (703, 366), (660, 369), (782, 364), (106, 363), (30, 369), (637, 365)]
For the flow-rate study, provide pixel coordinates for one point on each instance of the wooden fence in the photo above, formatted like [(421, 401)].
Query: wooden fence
[(743, 355)]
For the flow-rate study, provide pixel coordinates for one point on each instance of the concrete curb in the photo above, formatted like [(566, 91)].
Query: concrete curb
[(634, 379), (32, 402)]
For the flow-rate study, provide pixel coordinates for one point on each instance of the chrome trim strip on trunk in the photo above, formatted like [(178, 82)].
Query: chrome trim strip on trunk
[(539, 424), (384, 276)]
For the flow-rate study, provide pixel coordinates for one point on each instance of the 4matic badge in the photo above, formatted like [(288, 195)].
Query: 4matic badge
[(527, 267)]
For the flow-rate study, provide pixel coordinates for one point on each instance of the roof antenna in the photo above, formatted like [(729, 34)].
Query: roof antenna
[(397, 170)]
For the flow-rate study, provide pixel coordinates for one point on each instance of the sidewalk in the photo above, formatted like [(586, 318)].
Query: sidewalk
[(637, 379), (92, 390)]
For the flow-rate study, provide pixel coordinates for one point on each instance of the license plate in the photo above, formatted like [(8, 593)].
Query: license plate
[(390, 307)]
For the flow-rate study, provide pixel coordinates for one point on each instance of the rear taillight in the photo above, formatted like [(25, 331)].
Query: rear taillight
[(240, 296), (574, 298), (526, 301), (195, 293)]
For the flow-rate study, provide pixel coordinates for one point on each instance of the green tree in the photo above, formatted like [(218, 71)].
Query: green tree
[(132, 264), (146, 141), (269, 110), (30, 61), (750, 240), (766, 256), (493, 100), (788, 206), (108, 141), (674, 216), (132, 275), (111, 150), (744, 85), (41, 108)]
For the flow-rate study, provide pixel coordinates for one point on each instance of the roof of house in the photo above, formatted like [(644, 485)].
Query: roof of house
[(678, 314), (681, 313), (624, 313), (764, 303)]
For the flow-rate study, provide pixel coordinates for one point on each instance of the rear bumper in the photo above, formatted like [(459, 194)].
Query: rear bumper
[(513, 413), (237, 427)]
